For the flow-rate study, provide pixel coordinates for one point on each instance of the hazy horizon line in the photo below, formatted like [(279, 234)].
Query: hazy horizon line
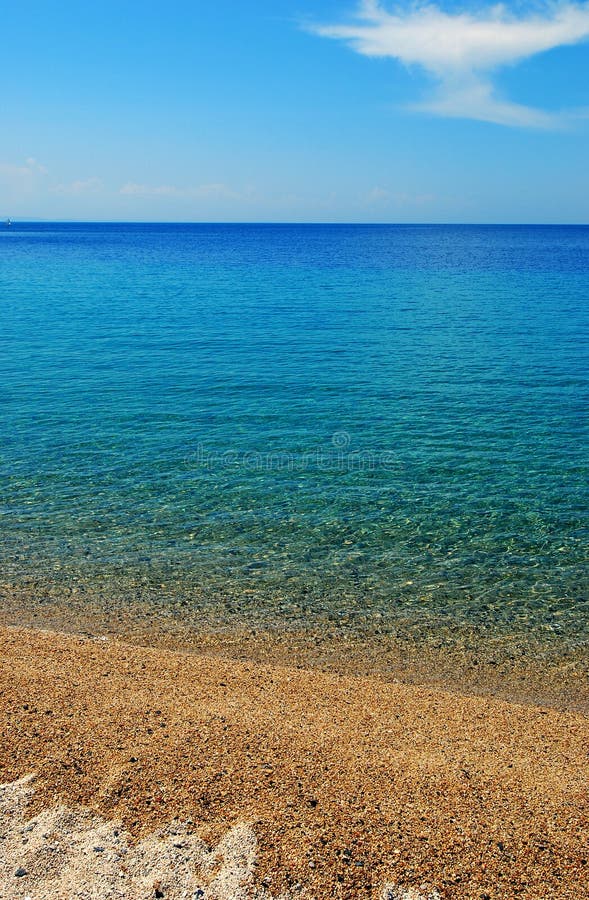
[(19, 220)]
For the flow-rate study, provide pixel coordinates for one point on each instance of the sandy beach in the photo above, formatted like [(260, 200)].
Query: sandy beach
[(154, 773)]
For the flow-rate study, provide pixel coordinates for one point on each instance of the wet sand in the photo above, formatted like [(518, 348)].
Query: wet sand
[(516, 666), (351, 786)]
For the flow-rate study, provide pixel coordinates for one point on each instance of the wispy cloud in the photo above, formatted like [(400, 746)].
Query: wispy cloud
[(379, 196), (215, 190), (461, 50), (131, 188), (84, 186), (18, 171)]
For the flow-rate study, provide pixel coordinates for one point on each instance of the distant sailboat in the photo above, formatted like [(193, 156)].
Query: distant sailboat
[(8, 223)]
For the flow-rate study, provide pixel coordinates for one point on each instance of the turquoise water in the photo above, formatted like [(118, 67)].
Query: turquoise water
[(300, 424)]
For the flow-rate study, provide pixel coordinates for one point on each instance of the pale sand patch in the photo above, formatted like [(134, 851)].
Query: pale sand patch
[(390, 892), (74, 854)]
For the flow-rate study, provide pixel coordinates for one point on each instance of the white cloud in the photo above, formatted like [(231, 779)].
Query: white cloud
[(461, 50), (35, 167), (216, 190), (144, 190), (26, 170), (86, 186), (379, 196)]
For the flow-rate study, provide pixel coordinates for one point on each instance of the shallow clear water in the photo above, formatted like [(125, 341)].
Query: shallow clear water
[(301, 423)]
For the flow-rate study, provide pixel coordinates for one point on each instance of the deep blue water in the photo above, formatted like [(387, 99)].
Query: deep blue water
[(301, 423)]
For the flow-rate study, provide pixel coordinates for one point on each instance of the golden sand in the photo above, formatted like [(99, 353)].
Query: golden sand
[(349, 783)]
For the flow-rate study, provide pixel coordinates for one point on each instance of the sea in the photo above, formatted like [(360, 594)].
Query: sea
[(351, 429)]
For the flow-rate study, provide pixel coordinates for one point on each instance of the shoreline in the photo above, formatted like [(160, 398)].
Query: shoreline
[(516, 667), (350, 783)]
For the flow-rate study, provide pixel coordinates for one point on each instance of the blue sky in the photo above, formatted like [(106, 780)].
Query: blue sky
[(294, 110)]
